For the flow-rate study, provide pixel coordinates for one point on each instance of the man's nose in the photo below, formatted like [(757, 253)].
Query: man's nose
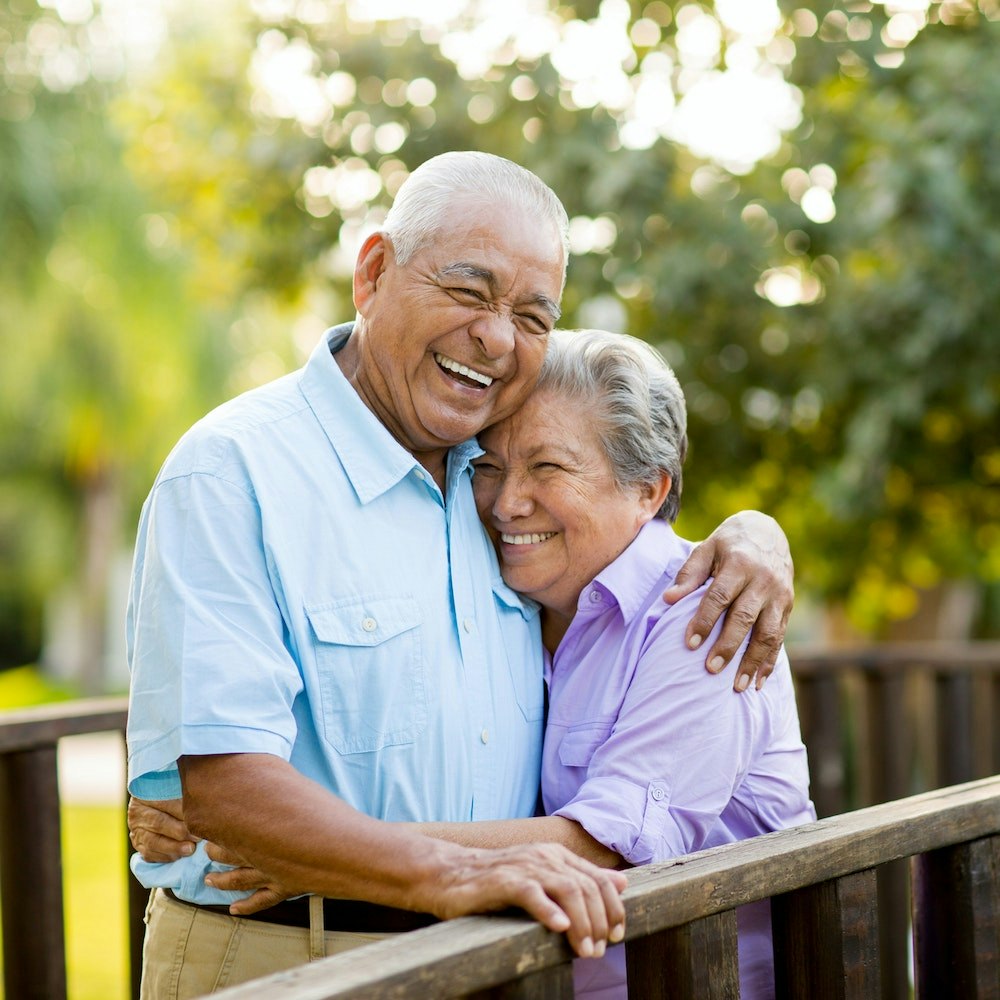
[(494, 329)]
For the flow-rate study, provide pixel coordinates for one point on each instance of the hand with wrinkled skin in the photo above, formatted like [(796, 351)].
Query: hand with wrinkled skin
[(528, 872), (561, 890), (241, 877), (750, 564), (529, 875), (301, 839), (157, 830)]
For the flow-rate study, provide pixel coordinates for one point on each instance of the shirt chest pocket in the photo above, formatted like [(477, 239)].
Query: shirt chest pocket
[(371, 672), (578, 746)]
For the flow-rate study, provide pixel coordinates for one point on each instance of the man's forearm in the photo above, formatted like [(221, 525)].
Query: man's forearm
[(306, 838), (538, 829)]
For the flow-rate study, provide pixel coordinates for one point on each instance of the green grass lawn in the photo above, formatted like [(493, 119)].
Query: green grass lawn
[(95, 902)]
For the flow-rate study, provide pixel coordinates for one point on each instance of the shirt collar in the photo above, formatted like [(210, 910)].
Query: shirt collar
[(373, 460), (655, 554)]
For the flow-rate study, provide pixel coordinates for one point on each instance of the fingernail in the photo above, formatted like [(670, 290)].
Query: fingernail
[(716, 664), (694, 642), (187, 850), (210, 880), (741, 682), (617, 934), (599, 949), (760, 682), (586, 948)]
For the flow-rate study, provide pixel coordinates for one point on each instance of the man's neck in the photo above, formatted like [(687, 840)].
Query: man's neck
[(434, 461)]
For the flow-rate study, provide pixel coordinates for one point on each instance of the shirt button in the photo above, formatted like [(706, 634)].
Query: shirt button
[(657, 794), (369, 624), (485, 736), (467, 625), (594, 596), (419, 473)]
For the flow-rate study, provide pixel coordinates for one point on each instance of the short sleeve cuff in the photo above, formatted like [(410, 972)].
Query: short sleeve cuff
[(152, 770)]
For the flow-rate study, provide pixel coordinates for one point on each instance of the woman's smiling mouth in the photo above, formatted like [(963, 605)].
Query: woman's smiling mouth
[(533, 539)]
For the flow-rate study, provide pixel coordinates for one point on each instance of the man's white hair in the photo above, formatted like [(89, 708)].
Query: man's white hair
[(443, 181)]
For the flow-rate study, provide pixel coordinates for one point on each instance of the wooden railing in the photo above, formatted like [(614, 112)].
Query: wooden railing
[(31, 873), (681, 921), (890, 721), (880, 724)]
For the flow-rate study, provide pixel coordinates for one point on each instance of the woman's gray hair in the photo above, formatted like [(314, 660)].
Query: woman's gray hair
[(437, 185), (637, 402)]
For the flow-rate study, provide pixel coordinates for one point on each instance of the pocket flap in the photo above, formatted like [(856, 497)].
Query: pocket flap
[(578, 745), (364, 623)]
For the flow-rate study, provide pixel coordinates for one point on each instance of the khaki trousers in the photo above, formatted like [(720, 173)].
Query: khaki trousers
[(189, 952)]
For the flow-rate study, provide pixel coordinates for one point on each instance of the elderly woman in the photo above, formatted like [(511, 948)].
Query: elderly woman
[(646, 755), (643, 751)]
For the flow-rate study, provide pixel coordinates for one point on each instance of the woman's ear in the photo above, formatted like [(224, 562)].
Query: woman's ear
[(652, 495), (373, 257)]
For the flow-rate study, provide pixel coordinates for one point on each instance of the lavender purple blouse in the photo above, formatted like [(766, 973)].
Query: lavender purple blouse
[(654, 756)]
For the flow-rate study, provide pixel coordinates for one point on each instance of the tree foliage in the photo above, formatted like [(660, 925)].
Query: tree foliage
[(842, 374)]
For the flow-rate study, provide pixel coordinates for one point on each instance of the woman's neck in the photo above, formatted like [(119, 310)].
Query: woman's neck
[(554, 626)]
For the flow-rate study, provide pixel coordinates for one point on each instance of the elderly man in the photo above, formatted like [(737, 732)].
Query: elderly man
[(318, 632)]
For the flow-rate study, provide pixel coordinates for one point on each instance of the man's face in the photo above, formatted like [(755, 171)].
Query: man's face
[(453, 340)]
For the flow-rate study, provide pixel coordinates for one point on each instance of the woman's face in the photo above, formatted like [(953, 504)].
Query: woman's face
[(547, 495)]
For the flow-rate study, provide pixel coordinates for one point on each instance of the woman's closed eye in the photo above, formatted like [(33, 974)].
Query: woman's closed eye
[(484, 467)]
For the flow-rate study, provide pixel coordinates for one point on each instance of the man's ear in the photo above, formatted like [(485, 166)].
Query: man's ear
[(373, 257), (652, 495)]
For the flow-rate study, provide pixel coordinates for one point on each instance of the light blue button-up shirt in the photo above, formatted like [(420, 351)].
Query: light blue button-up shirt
[(301, 588)]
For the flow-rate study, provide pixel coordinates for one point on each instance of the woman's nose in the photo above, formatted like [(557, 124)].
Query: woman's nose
[(513, 499)]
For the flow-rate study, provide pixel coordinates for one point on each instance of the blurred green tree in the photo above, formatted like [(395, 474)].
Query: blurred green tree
[(828, 302), (106, 358)]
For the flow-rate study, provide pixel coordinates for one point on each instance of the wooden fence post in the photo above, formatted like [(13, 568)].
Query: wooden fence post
[(957, 921), (697, 961), (34, 946), (826, 940)]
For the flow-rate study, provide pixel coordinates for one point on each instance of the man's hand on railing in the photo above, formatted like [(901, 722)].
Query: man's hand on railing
[(559, 889), (157, 830)]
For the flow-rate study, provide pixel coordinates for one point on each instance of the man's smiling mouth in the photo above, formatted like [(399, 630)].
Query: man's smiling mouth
[(467, 375)]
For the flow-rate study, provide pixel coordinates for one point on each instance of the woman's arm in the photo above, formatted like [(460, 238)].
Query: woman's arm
[(538, 829)]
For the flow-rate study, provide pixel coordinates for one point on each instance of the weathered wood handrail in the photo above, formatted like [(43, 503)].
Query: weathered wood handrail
[(819, 878)]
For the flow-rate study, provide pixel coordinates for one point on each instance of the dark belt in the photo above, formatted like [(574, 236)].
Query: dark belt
[(338, 915)]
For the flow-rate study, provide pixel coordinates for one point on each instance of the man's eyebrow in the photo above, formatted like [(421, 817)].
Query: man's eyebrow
[(549, 306), (484, 274), (471, 271)]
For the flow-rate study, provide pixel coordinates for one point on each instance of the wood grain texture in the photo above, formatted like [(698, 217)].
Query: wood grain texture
[(957, 921), (826, 941), (698, 961)]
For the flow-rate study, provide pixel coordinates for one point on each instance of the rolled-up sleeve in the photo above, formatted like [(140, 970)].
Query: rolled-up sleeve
[(658, 780), (210, 670)]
